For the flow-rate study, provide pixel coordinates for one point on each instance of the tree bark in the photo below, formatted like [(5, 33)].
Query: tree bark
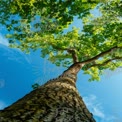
[(56, 101)]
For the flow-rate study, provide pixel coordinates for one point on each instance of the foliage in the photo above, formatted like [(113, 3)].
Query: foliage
[(38, 24), (35, 86)]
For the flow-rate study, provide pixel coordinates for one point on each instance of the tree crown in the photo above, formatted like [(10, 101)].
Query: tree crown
[(38, 24)]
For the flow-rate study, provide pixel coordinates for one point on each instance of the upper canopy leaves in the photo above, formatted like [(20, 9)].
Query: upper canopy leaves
[(35, 24), (60, 12)]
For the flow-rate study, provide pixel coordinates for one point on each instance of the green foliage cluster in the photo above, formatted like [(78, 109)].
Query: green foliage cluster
[(39, 24), (35, 86)]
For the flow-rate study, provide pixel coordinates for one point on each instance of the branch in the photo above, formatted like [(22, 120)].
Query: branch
[(74, 55), (100, 55), (104, 63), (71, 51)]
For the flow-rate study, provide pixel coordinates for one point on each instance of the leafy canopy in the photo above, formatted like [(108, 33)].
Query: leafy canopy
[(39, 24)]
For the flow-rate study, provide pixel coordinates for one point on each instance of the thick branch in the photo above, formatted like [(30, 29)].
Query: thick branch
[(104, 63), (75, 68), (100, 55), (74, 55)]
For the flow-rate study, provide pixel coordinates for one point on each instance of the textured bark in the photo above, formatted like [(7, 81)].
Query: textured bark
[(56, 101)]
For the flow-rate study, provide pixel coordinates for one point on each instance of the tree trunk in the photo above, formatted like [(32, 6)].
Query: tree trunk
[(56, 101)]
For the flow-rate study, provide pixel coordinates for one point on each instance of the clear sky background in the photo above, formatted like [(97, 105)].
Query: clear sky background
[(19, 71)]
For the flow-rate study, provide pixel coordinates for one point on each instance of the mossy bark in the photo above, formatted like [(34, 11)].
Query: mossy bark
[(56, 101)]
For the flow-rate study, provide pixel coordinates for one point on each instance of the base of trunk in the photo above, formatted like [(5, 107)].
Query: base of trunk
[(56, 101)]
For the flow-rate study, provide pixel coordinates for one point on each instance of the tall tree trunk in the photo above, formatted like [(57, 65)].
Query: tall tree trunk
[(56, 101)]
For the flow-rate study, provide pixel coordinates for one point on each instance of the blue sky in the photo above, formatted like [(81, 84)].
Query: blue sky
[(19, 71)]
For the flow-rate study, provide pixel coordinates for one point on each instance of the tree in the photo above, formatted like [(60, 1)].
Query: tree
[(38, 24)]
